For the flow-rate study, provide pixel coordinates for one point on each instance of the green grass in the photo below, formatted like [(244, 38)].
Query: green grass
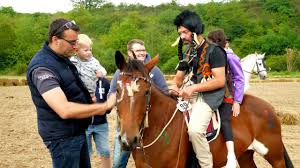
[(284, 74)]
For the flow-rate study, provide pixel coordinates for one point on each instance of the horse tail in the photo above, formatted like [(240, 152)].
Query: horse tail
[(287, 159)]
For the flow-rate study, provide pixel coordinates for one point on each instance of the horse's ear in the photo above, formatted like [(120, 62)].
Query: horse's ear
[(120, 60), (152, 63), (134, 56), (263, 55)]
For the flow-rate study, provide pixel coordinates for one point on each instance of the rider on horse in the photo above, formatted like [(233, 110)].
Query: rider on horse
[(204, 63), (233, 96)]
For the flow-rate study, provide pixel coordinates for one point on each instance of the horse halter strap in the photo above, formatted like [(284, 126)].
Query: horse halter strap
[(258, 70), (145, 123)]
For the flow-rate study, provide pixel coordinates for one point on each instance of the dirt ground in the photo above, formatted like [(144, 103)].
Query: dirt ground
[(21, 146)]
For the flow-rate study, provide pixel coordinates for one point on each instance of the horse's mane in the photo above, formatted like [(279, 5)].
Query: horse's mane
[(136, 65), (251, 56), (248, 57)]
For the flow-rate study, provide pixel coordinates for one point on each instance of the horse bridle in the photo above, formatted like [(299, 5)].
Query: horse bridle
[(258, 70), (148, 96), (145, 118)]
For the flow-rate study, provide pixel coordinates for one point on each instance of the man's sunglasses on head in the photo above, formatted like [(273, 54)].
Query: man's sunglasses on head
[(66, 26)]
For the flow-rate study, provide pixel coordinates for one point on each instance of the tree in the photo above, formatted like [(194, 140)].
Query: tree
[(88, 4), (292, 58), (7, 10)]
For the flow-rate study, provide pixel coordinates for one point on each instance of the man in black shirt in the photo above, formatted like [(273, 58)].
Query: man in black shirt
[(62, 101), (201, 74)]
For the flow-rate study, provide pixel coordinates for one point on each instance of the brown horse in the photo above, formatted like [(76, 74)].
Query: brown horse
[(152, 128)]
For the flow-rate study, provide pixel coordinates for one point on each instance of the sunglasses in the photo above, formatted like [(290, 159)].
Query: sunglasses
[(66, 26), (71, 42)]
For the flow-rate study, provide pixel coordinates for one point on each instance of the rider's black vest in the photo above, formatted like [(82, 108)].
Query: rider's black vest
[(201, 69), (50, 125)]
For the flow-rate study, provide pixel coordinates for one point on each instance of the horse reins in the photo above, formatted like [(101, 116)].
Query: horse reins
[(145, 118), (178, 156), (159, 135)]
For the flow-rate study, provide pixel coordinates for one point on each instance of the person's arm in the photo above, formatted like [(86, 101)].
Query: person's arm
[(57, 100), (159, 79), (238, 83), (99, 69), (179, 77), (215, 83), (217, 63), (237, 78), (47, 83), (113, 83)]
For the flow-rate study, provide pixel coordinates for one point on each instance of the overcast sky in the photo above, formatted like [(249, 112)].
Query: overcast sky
[(52, 6)]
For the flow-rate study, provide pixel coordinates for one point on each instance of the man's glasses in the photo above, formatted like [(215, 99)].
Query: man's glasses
[(138, 51), (72, 42), (66, 26)]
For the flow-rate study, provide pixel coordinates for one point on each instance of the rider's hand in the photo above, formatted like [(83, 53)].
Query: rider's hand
[(174, 90), (186, 92), (235, 109)]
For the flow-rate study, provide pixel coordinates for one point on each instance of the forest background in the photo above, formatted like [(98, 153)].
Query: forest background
[(263, 26)]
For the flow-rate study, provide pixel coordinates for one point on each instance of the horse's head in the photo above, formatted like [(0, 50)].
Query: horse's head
[(260, 67), (254, 63), (133, 94)]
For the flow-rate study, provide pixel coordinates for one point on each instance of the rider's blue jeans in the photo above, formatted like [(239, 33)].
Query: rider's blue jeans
[(120, 158)]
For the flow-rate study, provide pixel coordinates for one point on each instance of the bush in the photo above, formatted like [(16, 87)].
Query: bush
[(20, 68), (170, 65), (276, 63)]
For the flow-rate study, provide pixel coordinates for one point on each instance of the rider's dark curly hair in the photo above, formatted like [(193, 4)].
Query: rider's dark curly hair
[(180, 53), (189, 20), (218, 37)]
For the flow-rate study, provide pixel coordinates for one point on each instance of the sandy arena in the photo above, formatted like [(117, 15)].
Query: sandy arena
[(21, 146)]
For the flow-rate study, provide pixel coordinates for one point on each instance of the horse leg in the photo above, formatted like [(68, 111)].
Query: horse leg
[(139, 159), (246, 160), (275, 154), (276, 158), (288, 161)]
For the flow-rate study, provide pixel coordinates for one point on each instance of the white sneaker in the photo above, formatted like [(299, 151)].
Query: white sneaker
[(231, 162)]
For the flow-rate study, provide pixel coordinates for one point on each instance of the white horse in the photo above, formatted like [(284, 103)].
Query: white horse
[(253, 64)]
